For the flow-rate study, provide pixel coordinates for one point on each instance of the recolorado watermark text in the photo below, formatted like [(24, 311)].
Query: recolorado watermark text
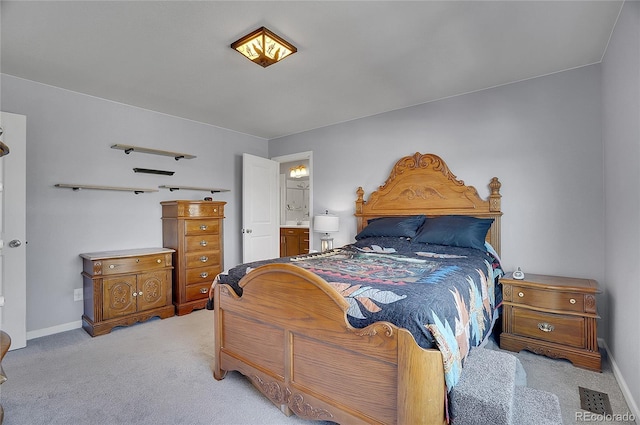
[(597, 417)]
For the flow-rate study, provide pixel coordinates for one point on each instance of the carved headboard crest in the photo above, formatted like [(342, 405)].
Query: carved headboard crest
[(419, 160)]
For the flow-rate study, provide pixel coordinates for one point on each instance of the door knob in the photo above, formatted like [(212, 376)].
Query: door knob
[(15, 243)]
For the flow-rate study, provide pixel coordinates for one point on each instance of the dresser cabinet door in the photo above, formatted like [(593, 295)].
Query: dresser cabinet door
[(118, 296), (152, 290)]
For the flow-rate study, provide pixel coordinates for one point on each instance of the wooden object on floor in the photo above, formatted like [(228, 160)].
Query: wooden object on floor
[(552, 316), (194, 229), (289, 332), (124, 287), (5, 343), (294, 241)]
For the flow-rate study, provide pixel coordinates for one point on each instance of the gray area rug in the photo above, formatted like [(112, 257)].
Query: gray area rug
[(160, 372)]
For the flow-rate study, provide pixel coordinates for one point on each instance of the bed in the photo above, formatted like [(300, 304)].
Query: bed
[(289, 326)]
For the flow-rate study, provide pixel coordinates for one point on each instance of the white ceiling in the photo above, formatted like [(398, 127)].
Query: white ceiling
[(354, 59)]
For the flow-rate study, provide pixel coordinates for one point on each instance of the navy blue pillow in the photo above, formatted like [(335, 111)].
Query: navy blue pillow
[(455, 230), (392, 226)]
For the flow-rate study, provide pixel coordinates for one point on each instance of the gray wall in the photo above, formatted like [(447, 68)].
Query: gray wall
[(541, 138), (621, 137), (68, 141)]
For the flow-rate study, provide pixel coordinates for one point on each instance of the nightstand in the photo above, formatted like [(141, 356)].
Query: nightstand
[(553, 316)]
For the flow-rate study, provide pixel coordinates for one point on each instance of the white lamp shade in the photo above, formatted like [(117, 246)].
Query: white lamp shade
[(326, 223)]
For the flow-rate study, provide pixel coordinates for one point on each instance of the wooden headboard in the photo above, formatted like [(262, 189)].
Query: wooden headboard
[(423, 184)]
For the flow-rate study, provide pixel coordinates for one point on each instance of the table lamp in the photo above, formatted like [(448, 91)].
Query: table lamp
[(326, 223)]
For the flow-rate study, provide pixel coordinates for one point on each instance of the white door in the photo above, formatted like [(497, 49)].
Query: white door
[(13, 269), (260, 209)]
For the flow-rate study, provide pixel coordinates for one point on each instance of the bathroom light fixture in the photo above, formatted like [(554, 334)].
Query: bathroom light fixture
[(326, 223), (298, 171), (264, 47)]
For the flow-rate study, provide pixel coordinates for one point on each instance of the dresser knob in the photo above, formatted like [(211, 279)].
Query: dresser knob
[(203, 243), (140, 293), (572, 300), (135, 294), (203, 227), (112, 266), (203, 290), (158, 261), (204, 258), (546, 327), (204, 274), (521, 294)]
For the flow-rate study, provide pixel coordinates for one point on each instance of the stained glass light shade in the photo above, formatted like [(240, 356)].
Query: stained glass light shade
[(264, 47)]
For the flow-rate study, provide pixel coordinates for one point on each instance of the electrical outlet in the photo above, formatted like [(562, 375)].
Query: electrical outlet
[(77, 294)]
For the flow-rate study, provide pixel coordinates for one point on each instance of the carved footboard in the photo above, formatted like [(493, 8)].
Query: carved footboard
[(289, 335)]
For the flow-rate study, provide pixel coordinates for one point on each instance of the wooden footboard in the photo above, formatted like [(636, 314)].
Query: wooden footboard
[(289, 335)]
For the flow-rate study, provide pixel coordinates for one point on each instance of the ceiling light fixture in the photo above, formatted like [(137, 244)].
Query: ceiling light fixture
[(264, 47)]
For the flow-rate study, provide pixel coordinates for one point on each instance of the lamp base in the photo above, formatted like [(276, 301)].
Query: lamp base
[(326, 243)]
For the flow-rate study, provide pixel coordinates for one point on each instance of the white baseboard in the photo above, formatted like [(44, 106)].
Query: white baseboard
[(54, 330), (633, 406)]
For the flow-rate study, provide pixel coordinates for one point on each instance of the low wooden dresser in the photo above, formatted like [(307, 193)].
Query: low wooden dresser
[(124, 287), (195, 230), (553, 316)]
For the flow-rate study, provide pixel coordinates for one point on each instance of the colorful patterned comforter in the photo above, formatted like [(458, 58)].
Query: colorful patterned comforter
[(445, 296)]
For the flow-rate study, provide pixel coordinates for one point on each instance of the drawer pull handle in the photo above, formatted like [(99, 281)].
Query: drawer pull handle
[(521, 294), (158, 261), (203, 243), (140, 293), (203, 227), (112, 266), (203, 290), (546, 327), (204, 258), (204, 274), (572, 300), (137, 260), (135, 294)]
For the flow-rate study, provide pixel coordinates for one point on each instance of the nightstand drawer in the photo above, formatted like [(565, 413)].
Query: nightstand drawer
[(566, 330), (554, 300)]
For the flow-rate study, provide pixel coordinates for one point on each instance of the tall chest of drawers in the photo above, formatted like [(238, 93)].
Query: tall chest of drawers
[(553, 316), (124, 287), (194, 229)]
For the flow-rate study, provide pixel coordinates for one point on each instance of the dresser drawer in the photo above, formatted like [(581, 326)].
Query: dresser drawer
[(202, 243), (200, 227), (200, 210), (202, 274), (134, 264), (566, 330), (197, 292), (554, 300), (202, 259)]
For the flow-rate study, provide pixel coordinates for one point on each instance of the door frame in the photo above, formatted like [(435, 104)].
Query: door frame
[(301, 156)]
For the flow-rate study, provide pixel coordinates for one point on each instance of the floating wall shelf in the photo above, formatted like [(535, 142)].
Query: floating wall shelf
[(176, 155), (150, 171), (204, 189), (77, 187)]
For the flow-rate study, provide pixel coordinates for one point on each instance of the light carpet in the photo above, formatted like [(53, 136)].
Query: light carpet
[(160, 372)]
